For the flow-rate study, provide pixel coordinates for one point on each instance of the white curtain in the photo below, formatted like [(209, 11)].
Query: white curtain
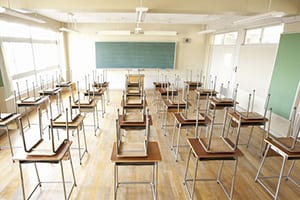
[(7, 80)]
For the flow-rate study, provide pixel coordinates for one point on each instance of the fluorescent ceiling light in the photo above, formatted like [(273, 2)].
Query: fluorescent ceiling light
[(69, 30), (206, 31), (141, 13), (259, 17), (113, 33), (20, 15), (161, 33)]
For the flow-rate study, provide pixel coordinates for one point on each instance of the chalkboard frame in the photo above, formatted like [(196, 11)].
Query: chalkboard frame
[(139, 55)]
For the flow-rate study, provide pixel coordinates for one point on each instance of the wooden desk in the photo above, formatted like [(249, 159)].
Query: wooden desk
[(103, 85), (76, 124), (275, 149), (171, 106), (62, 154), (98, 94), (4, 124), (204, 92), (158, 85), (54, 92), (139, 106), (193, 84), (245, 122), (152, 159), (133, 125), (89, 108), (201, 155), (181, 122), (37, 104)]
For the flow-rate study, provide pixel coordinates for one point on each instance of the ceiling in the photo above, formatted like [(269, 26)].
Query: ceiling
[(216, 14)]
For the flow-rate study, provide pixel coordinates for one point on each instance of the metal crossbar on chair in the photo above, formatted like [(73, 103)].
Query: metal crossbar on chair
[(51, 154), (286, 147)]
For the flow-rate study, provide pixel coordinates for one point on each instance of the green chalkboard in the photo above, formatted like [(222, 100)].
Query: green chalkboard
[(135, 54), (286, 75), (1, 81)]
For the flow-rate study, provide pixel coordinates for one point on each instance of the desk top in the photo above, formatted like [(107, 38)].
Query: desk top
[(97, 92), (205, 92), (174, 104), (278, 147), (164, 91), (61, 122), (64, 84), (201, 154), (38, 102), (86, 105), (247, 121), (133, 124), (153, 155), (50, 91), (56, 157), (160, 84), (101, 85), (8, 120)]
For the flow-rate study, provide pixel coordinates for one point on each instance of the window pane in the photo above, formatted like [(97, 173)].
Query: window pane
[(230, 38), (14, 30), (19, 57), (46, 55), (272, 34), (43, 34), (219, 39), (253, 36)]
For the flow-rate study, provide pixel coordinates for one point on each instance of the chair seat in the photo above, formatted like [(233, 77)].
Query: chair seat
[(47, 158), (218, 145)]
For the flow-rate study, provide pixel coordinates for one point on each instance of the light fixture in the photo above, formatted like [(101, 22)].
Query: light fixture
[(161, 33), (113, 32), (206, 31), (259, 17), (141, 13), (15, 13), (73, 24)]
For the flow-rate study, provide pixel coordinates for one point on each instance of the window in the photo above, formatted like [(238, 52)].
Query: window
[(272, 34), (264, 35), (219, 39), (226, 38), (30, 53), (253, 36)]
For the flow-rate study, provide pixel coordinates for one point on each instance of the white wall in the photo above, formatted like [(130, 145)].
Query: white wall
[(189, 56)]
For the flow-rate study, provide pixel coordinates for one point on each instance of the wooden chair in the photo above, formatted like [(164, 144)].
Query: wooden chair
[(85, 105), (133, 123), (200, 154), (182, 120), (286, 147), (71, 121), (171, 105), (50, 153), (249, 118)]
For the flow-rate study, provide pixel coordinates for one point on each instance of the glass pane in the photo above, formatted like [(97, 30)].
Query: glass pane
[(43, 34), (45, 55), (24, 84), (230, 38), (14, 30), (19, 57), (272, 34), (219, 39), (253, 36)]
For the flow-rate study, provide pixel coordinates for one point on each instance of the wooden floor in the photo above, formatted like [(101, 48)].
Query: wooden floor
[(95, 175)]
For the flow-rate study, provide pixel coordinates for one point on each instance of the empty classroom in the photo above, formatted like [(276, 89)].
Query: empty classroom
[(149, 99)]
